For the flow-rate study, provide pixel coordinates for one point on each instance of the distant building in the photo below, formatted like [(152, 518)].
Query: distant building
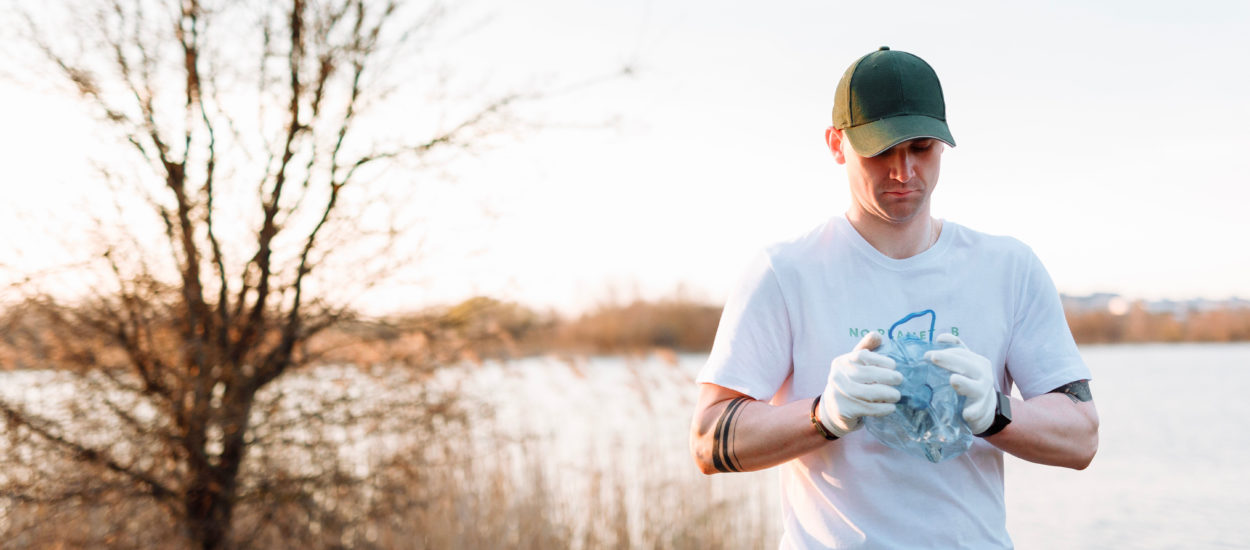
[(1094, 302), (1116, 304)]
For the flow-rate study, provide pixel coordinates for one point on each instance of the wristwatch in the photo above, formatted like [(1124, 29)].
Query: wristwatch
[(1002, 416)]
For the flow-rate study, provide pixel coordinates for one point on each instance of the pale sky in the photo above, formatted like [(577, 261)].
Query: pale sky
[(1112, 137)]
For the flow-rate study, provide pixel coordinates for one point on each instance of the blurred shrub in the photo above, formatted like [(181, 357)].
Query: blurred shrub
[(1139, 325)]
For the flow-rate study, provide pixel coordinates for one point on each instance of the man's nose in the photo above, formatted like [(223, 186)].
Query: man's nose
[(903, 167)]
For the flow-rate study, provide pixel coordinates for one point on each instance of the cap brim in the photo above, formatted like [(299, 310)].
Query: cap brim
[(869, 140)]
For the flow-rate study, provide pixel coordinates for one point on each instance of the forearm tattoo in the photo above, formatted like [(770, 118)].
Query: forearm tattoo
[(1077, 391), (724, 459)]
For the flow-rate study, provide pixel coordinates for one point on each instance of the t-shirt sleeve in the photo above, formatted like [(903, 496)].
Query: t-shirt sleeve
[(1042, 355), (753, 346)]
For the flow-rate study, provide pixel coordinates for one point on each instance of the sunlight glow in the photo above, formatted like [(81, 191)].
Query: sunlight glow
[(1096, 150)]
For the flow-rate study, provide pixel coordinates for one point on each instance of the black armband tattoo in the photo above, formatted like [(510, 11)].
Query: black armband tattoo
[(1077, 391), (723, 457)]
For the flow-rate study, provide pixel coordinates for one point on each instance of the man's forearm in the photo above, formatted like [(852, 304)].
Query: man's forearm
[(1051, 429), (735, 433)]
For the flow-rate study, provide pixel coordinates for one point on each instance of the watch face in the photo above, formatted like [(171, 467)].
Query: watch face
[(1004, 406)]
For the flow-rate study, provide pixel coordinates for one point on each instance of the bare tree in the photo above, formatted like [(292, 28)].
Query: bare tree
[(250, 150)]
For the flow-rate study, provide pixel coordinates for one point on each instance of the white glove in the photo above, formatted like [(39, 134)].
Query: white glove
[(860, 384), (972, 377)]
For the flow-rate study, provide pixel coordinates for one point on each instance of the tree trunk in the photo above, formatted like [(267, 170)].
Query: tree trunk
[(210, 501), (209, 510)]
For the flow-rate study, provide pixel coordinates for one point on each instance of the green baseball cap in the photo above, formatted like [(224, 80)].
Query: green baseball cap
[(888, 97)]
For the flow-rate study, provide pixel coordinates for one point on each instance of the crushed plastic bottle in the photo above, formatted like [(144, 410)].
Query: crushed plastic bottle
[(927, 420)]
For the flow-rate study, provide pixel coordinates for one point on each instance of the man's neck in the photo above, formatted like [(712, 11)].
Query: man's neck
[(898, 240)]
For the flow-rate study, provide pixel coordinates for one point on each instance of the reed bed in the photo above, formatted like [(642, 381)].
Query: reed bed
[(352, 458)]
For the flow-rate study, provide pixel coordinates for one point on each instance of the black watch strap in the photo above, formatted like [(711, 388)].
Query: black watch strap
[(1002, 415)]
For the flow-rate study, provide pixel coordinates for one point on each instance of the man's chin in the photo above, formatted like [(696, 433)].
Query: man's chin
[(901, 216)]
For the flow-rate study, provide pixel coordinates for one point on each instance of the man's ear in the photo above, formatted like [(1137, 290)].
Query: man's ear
[(834, 138)]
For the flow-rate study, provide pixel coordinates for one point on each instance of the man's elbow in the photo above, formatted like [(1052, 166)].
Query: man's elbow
[(1086, 455), (703, 459), (705, 468), (1087, 447)]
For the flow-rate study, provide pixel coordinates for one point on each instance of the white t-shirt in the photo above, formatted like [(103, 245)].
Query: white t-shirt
[(809, 300)]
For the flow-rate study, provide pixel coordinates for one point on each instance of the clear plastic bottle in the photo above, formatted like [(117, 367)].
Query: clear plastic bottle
[(928, 420)]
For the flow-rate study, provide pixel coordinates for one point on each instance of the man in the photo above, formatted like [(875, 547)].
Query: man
[(792, 372)]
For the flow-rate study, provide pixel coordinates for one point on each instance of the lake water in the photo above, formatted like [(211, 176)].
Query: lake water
[(1172, 471), (1173, 465)]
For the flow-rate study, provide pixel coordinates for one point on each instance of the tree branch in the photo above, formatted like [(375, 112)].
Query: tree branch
[(154, 487), (271, 205)]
